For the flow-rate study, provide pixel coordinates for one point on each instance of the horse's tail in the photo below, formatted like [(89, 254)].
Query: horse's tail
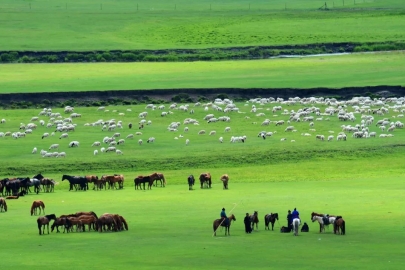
[(32, 208), (343, 228), (5, 206)]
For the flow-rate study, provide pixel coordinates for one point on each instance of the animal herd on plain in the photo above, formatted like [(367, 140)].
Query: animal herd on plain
[(357, 115)]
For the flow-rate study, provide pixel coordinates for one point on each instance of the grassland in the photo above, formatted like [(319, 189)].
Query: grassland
[(111, 25), (334, 72)]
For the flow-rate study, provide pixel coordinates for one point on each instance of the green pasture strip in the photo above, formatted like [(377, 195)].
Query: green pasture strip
[(333, 71), (126, 25), (176, 225), (204, 152)]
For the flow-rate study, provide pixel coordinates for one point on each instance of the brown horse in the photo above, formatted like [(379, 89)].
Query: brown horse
[(113, 179), (339, 224), (37, 205), (60, 222), (106, 220), (88, 220), (225, 179), (205, 180), (3, 205), (270, 218), (158, 177), (91, 213), (255, 219), (142, 180), (223, 223), (124, 222), (44, 221), (92, 179)]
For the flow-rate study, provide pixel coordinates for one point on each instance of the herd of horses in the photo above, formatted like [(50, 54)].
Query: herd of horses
[(206, 181), (79, 220), (20, 186), (339, 226)]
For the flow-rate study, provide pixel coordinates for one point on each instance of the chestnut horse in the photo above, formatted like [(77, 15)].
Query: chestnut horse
[(255, 219), (270, 218), (3, 205), (339, 224), (225, 179), (44, 221), (227, 225), (205, 180), (159, 177), (37, 205)]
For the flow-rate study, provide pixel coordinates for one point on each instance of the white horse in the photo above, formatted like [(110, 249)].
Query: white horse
[(320, 219), (296, 223)]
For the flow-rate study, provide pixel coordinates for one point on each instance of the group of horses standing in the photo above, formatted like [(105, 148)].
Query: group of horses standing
[(149, 179), (78, 221), (206, 181), (82, 182), (20, 186)]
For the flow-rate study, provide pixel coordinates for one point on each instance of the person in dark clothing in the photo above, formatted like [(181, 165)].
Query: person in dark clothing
[(248, 228), (289, 220), (224, 217), (305, 227)]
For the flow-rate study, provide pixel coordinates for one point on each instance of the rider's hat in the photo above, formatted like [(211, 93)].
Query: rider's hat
[(223, 209)]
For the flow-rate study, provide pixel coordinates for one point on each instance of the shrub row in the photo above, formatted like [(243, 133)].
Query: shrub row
[(242, 53)]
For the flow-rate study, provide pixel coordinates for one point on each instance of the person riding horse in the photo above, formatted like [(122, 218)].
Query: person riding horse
[(295, 214), (224, 217)]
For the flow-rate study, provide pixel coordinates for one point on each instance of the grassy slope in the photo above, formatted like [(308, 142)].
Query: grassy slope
[(84, 26), (340, 71)]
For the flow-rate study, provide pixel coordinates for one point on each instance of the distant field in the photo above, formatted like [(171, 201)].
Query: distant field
[(157, 24), (329, 71)]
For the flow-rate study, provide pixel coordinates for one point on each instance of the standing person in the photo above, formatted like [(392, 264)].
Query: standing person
[(248, 229), (224, 218), (289, 219), (295, 214)]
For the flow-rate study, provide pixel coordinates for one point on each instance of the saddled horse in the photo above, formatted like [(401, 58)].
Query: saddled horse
[(3, 205), (159, 177), (44, 221), (225, 180), (76, 180), (224, 223), (254, 219), (323, 221), (295, 225), (143, 180), (191, 181), (339, 225), (270, 218), (37, 205), (321, 215), (205, 180)]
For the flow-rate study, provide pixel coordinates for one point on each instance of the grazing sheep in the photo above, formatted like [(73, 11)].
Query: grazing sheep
[(61, 154), (140, 141), (45, 135), (64, 135), (201, 132), (96, 144), (320, 137), (130, 136), (110, 149), (283, 139), (95, 152), (227, 129), (3, 121), (118, 152), (54, 146), (185, 129), (213, 132), (151, 140), (34, 151), (221, 139), (187, 141), (121, 141), (74, 144), (102, 149), (289, 128), (330, 138), (138, 133)]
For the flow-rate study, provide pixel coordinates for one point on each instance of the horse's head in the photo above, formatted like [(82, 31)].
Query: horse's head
[(232, 217), (38, 176), (275, 215), (51, 216)]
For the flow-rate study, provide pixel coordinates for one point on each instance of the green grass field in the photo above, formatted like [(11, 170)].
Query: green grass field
[(111, 25), (330, 71)]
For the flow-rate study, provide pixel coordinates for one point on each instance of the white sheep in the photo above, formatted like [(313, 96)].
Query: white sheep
[(187, 141), (185, 129), (95, 152), (227, 129), (61, 154), (151, 140), (221, 139), (96, 144), (45, 135), (74, 144), (3, 121), (213, 132), (64, 135), (121, 141), (140, 141), (54, 146), (201, 132), (130, 136), (118, 152), (34, 151), (102, 150), (330, 138)]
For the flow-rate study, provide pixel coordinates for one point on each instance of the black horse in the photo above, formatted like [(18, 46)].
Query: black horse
[(142, 180), (76, 180), (191, 182), (270, 218)]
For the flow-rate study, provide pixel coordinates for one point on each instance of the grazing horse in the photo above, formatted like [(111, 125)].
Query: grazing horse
[(191, 181), (142, 180), (270, 218), (295, 224), (227, 225), (44, 221), (61, 222), (76, 180), (323, 221), (159, 177), (106, 220), (37, 205), (124, 222), (205, 180), (3, 205), (225, 179), (339, 224), (255, 219)]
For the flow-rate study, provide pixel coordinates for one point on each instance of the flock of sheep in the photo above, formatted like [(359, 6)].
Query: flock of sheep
[(357, 116)]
